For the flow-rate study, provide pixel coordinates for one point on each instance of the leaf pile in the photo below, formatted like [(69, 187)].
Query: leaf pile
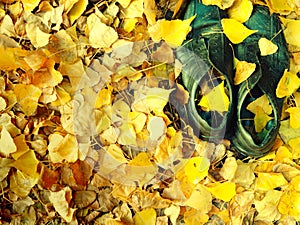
[(92, 126)]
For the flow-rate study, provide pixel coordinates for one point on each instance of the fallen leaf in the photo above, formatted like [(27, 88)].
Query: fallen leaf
[(290, 204), (288, 84), (215, 100), (294, 143), (200, 199), (260, 119), (241, 10), (262, 102), (27, 96), (150, 11), (235, 30), (156, 127), (145, 217), (21, 184), (282, 7), (266, 47), (267, 207), (291, 32), (37, 37), (27, 164), (243, 71), (163, 30), (77, 9), (100, 35), (62, 148), (269, 181), (229, 168), (7, 144), (60, 201), (172, 212), (29, 5), (195, 217), (222, 4), (294, 117), (223, 191), (134, 10)]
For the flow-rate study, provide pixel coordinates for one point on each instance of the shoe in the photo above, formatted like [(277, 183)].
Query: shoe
[(264, 80), (207, 60)]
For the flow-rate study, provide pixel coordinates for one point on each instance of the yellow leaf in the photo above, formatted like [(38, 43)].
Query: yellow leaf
[(129, 24), (215, 100), (200, 199), (295, 183), (281, 6), (138, 120), (127, 134), (266, 47), (21, 183), (77, 10), (27, 163), (124, 3), (7, 144), (269, 181), (172, 212), (12, 58), (295, 145), (241, 10), (291, 32), (222, 4), (37, 37), (294, 117), (229, 168), (100, 35), (195, 217), (260, 119), (288, 84), (29, 5), (104, 97), (150, 11), (283, 154), (145, 217), (27, 96), (3, 103), (223, 191), (267, 207), (290, 204), (62, 148), (164, 29), (262, 102), (243, 71), (196, 168), (63, 97), (235, 30), (60, 201)]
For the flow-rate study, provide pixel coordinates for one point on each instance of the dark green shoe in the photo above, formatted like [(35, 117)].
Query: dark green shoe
[(264, 80), (207, 58)]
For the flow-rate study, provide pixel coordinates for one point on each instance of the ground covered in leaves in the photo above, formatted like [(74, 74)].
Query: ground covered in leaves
[(92, 129)]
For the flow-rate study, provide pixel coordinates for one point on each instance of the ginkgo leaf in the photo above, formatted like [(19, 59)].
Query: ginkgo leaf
[(77, 10), (262, 102), (104, 97), (27, 96), (291, 32), (281, 6), (260, 119), (223, 191), (7, 144), (294, 117), (62, 148), (27, 163), (269, 181), (21, 183), (215, 100), (60, 201), (266, 47), (290, 204), (200, 199), (294, 143), (196, 168), (145, 217), (243, 71), (222, 4), (164, 30), (100, 35), (241, 10), (288, 84), (235, 30), (195, 217)]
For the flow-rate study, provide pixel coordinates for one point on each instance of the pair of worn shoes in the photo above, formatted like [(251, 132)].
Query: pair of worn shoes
[(207, 56)]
